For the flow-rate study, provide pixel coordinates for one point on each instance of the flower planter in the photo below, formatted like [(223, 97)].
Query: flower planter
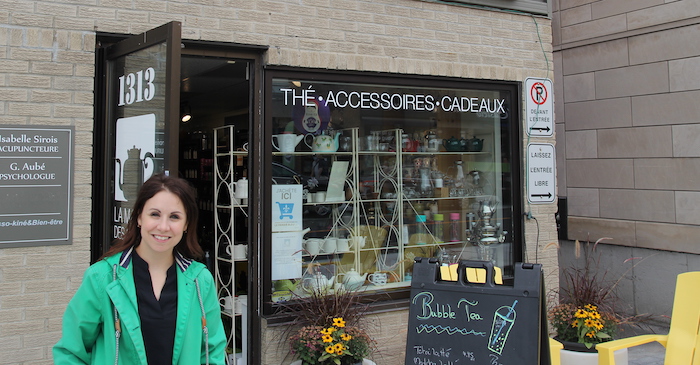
[(575, 353), (364, 362)]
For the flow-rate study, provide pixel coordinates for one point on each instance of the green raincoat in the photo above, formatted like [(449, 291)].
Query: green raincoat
[(89, 325)]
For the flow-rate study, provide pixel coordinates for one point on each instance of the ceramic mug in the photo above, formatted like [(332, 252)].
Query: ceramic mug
[(238, 303), (240, 252), (330, 245), (319, 197), (226, 302), (378, 278), (313, 246), (343, 245)]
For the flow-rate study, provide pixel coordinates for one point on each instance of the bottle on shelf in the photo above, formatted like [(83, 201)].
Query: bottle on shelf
[(438, 227), (421, 231), (455, 228)]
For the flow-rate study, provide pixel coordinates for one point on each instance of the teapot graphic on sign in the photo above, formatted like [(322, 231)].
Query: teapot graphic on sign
[(131, 172)]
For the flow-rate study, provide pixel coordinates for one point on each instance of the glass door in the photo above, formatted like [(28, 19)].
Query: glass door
[(139, 130)]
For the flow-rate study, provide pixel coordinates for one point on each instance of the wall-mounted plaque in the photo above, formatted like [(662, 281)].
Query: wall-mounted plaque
[(36, 185)]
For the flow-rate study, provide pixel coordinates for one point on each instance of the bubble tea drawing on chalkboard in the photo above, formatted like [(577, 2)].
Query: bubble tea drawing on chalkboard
[(503, 320)]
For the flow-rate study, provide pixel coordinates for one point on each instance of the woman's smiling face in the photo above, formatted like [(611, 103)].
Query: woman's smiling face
[(163, 222)]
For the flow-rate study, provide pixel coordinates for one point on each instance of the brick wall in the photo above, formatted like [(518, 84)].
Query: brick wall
[(46, 78)]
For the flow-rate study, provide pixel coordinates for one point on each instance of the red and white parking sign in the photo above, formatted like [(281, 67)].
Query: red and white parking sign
[(538, 104)]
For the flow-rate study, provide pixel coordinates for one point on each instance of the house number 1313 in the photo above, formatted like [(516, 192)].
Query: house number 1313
[(134, 88)]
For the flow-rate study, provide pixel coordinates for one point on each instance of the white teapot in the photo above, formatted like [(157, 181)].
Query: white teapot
[(353, 280), (317, 282), (286, 142), (240, 189)]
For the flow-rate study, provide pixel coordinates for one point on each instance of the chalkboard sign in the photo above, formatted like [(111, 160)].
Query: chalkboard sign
[(460, 323)]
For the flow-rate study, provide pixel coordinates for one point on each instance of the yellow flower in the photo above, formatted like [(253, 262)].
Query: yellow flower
[(339, 348), (338, 322), (580, 313), (346, 337), (326, 331), (589, 323), (327, 338), (590, 334), (330, 349)]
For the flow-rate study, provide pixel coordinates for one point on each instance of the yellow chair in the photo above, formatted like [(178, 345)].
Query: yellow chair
[(554, 353), (682, 342)]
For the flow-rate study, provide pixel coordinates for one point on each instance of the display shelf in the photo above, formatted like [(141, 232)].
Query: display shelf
[(228, 220), (381, 205)]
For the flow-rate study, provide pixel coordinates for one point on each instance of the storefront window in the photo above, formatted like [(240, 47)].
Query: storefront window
[(368, 176)]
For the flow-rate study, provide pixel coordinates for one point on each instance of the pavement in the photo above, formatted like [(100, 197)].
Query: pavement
[(650, 353), (647, 354)]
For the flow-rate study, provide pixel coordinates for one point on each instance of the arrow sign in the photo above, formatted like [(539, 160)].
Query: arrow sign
[(541, 173), (538, 104)]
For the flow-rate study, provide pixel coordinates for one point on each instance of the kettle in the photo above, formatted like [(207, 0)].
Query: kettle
[(323, 142), (476, 144), (317, 283), (353, 280), (451, 144), (240, 189), (287, 141)]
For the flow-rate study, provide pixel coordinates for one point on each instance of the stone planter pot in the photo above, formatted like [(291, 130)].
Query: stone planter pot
[(575, 353)]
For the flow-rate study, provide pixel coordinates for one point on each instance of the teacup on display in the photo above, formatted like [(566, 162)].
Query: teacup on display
[(378, 278), (343, 245), (330, 245), (226, 302), (313, 246)]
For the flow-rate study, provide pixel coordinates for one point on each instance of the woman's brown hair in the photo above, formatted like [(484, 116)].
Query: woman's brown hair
[(189, 245)]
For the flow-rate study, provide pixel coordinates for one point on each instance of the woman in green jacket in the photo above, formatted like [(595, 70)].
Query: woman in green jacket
[(147, 301)]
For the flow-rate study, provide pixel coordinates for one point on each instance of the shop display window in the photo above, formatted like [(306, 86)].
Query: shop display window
[(369, 173)]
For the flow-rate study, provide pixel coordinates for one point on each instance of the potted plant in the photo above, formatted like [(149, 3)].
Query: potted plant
[(587, 312), (328, 327)]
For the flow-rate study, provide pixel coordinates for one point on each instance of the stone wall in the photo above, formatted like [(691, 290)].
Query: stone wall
[(628, 120)]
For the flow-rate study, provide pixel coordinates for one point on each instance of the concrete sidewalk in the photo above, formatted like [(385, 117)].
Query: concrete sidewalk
[(647, 354)]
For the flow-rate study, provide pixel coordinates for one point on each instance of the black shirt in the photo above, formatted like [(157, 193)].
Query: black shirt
[(158, 317)]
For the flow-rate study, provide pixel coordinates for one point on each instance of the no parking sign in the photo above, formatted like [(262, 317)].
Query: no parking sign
[(538, 102)]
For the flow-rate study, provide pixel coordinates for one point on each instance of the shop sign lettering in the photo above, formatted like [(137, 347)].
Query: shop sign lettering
[(395, 101)]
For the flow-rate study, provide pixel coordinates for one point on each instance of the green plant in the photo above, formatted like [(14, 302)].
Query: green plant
[(336, 344), (584, 325), (328, 326), (587, 311)]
